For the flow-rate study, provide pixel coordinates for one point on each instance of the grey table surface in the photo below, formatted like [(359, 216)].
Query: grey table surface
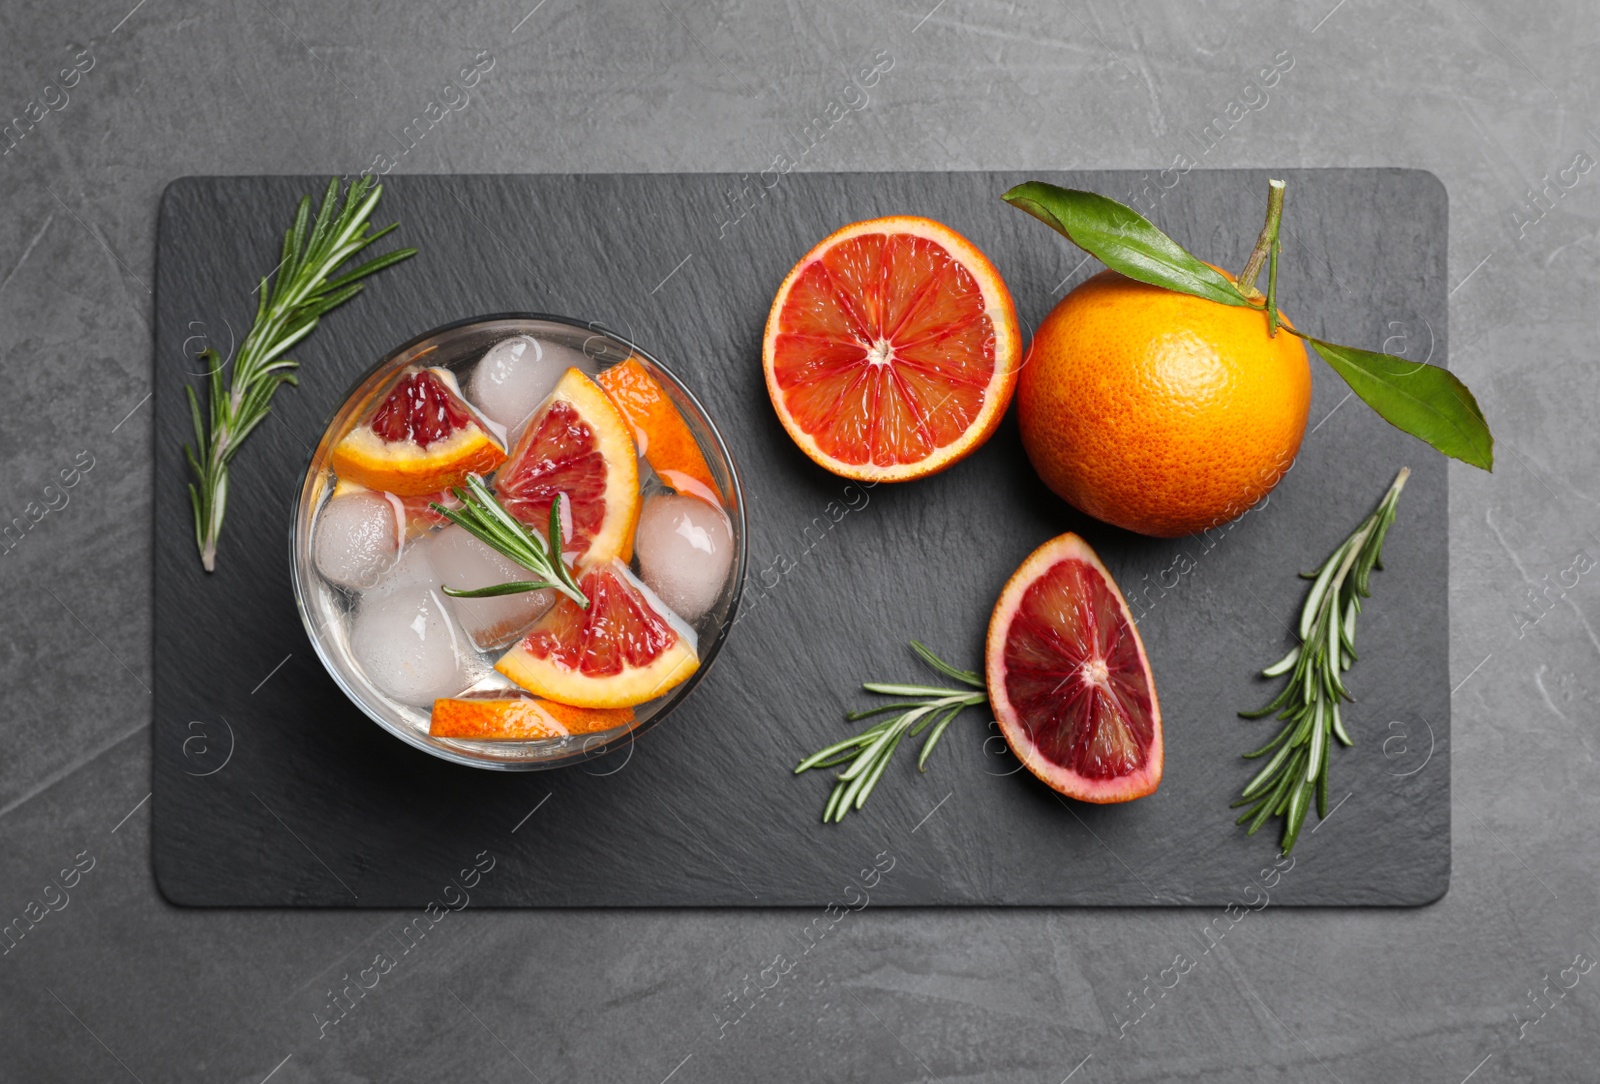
[(1496, 99)]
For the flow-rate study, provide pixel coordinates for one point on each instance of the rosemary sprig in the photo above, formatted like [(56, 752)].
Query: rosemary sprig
[(919, 708), (483, 516), (1309, 703), (301, 294)]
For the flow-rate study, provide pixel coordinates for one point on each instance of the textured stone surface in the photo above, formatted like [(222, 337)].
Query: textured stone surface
[(255, 746), (1491, 97)]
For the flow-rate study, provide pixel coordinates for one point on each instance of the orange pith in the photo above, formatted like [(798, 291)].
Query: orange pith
[(664, 437), (1158, 412), (620, 652), (514, 717), (431, 439), (1069, 680), (579, 445), (891, 349)]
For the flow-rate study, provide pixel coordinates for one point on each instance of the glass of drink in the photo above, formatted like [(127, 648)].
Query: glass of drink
[(576, 445)]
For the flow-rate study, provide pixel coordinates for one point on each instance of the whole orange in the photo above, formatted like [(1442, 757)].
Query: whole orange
[(1158, 412)]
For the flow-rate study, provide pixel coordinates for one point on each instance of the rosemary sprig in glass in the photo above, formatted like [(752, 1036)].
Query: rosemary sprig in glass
[(1309, 703), (301, 294), (483, 516), (868, 753)]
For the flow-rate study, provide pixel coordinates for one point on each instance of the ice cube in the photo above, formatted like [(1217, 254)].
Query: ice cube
[(407, 645), (415, 569), (685, 548), (356, 538), (466, 564), (515, 375)]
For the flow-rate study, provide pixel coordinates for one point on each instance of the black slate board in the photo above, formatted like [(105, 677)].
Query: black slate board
[(272, 790)]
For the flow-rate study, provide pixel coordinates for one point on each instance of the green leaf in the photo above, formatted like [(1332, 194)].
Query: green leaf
[(325, 213), (516, 587), (1122, 239), (966, 677), (370, 267), (293, 240), (1424, 400)]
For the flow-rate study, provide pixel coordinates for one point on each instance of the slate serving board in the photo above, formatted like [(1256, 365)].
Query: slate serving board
[(272, 790)]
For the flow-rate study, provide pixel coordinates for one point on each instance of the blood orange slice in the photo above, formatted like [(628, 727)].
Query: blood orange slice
[(421, 438), (626, 648), (891, 349), (665, 439), (515, 717), (1069, 680), (578, 445)]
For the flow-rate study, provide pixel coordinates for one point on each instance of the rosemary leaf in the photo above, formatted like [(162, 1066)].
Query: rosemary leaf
[(514, 587)]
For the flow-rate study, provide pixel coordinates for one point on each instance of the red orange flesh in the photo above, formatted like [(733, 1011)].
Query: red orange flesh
[(891, 349), (623, 650), (578, 445), (420, 439), (1069, 680)]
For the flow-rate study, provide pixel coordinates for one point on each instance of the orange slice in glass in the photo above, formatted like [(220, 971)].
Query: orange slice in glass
[(579, 445), (665, 439), (626, 648), (514, 717), (891, 350), (421, 438)]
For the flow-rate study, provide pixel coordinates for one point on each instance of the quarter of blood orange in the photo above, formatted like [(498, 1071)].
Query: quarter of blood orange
[(422, 438), (579, 445), (1069, 680), (664, 437), (512, 716), (626, 648), (891, 349)]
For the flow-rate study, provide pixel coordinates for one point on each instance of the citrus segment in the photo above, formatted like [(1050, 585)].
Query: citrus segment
[(891, 349), (1069, 680), (626, 648), (578, 445), (422, 438), (664, 437), (515, 717)]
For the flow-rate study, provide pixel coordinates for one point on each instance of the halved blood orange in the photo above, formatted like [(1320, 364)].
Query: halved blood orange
[(510, 716), (664, 437), (1069, 680), (891, 349), (421, 438), (626, 648), (578, 445)]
